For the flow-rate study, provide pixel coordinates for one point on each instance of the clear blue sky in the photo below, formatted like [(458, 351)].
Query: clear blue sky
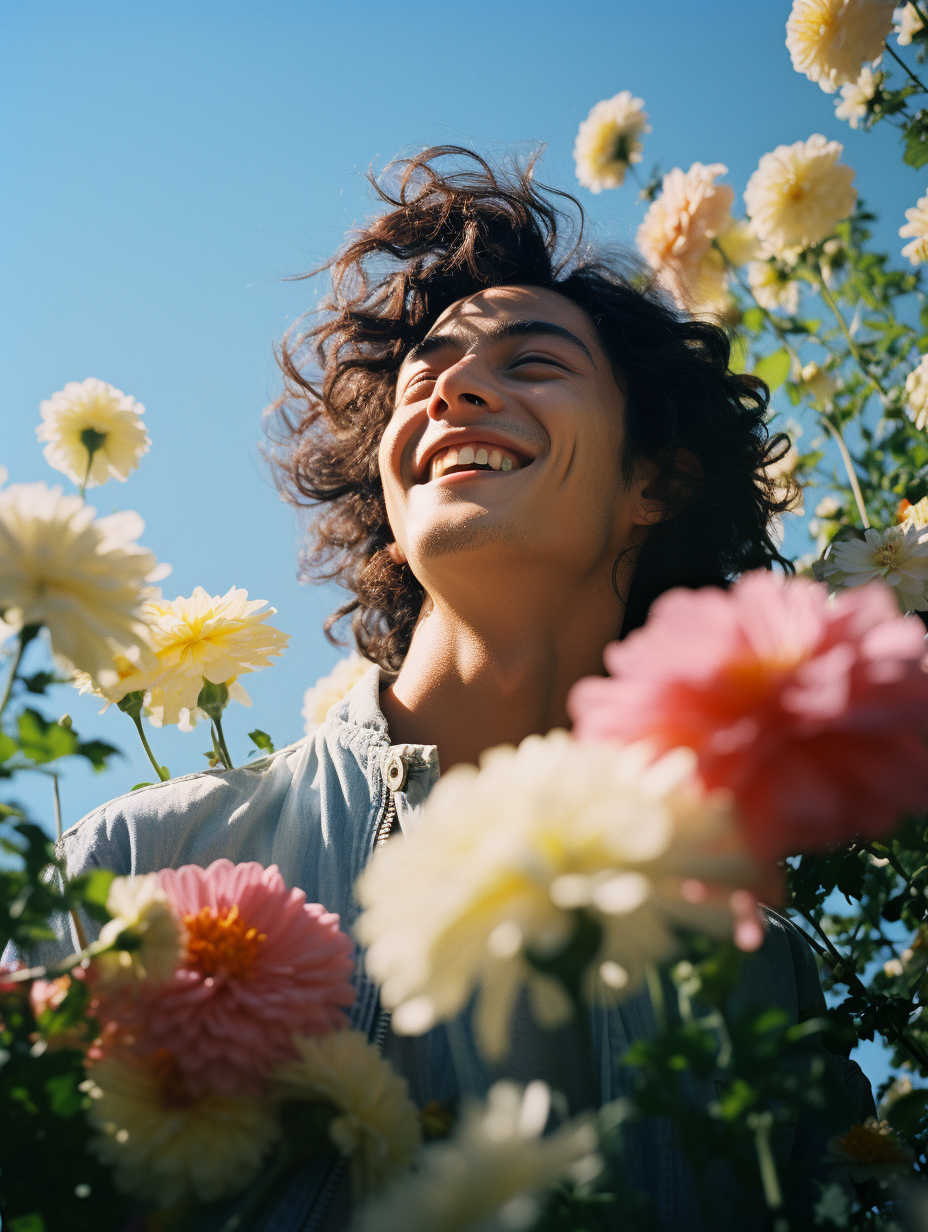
[(167, 165)]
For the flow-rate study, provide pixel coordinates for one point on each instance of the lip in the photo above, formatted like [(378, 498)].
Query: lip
[(466, 437)]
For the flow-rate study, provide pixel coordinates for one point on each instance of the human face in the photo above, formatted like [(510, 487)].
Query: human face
[(506, 439)]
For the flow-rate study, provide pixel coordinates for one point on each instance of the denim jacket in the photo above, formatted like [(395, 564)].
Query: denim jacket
[(314, 809)]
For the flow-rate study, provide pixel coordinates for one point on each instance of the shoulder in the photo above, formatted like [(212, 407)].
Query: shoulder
[(191, 819)]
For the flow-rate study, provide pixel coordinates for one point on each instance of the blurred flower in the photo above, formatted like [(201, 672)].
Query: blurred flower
[(166, 1145), (144, 930), (827, 507), (916, 390), (260, 964), (676, 236), (829, 40), (608, 140), (201, 638), (319, 700), (92, 419), (738, 243), (81, 577), (820, 383), (809, 710), (377, 1125), (895, 1091), (773, 287), (488, 1174), (915, 515), (898, 555), (908, 23), (856, 95), (124, 669), (869, 1152), (917, 227), (798, 194), (46, 996), (508, 854)]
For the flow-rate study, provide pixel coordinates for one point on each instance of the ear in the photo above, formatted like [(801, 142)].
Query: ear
[(396, 553), (650, 502)]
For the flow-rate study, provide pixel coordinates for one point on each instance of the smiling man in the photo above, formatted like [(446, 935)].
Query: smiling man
[(509, 450)]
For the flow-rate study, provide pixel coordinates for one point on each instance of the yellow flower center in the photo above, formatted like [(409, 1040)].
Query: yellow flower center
[(869, 1145), (221, 941), (885, 557), (172, 1090)]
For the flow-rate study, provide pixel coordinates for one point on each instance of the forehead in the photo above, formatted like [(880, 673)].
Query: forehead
[(484, 312)]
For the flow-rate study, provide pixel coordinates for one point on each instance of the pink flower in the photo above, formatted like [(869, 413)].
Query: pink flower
[(261, 963), (813, 713)]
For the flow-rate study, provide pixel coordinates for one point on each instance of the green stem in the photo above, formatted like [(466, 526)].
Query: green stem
[(17, 659), (159, 770), (849, 468), (773, 1194), (83, 487), (656, 993), (899, 60), (56, 801), (217, 724), (852, 345)]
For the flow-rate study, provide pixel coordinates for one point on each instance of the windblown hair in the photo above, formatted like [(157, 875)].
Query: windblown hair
[(450, 233)]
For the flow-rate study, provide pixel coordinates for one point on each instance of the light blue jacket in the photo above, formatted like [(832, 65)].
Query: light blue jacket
[(314, 809)]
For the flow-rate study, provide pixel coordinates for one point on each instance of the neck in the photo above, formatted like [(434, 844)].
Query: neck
[(501, 672)]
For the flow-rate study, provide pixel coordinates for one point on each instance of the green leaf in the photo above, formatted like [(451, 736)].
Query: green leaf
[(908, 1113), (916, 145), (38, 682), (138, 785), (8, 746), (96, 752), (754, 319), (28, 1223), (774, 368), (262, 740), (92, 889), (43, 740)]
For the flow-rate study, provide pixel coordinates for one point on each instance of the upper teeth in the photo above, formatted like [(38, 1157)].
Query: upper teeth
[(469, 455)]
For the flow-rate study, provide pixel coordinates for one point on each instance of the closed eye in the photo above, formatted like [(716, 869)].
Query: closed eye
[(522, 360)]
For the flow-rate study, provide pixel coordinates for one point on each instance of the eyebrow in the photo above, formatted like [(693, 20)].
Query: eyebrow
[(497, 332)]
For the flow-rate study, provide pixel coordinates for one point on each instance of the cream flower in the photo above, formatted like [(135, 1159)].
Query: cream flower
[(676, 235), (829, 40), (908, 23), (916, 393), (81, 577), (856, 95), (202, 638), (92, 411), (165, 1146), (917, 227), (378, 1124), (489, 1174), (773, 288), (798, 194), (869, 1152), (508, 854), (738, 242), (322, 696), (144, 930), (916, 515), (608, 140), (819, 383), (898, 555)]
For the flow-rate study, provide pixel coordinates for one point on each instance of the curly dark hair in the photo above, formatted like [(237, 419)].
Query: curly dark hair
[(448, 234)]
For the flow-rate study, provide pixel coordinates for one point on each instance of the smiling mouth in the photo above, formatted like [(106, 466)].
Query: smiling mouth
[(474, 457)]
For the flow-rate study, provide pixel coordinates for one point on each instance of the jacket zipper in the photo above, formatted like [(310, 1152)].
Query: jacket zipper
[(387, 822)]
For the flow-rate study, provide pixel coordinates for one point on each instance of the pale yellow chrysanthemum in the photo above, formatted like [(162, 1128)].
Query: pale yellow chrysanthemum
[(898, 555), (143, 920), (773, 288), (608, 140), (830, 40), (738, 243), (164, 1146), (83, 578), (916, 393), (856, 95), (869, 1152), (323, 695), (378, 1124), (141, 673), (676, 235), (907, 23), (917, 227), (506, 855), (93, 407), (916, 515), (490, 1173), (202, 638), (798, 195), (819, 383)]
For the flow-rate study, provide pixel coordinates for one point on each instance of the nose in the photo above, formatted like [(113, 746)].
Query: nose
[(464, 386)]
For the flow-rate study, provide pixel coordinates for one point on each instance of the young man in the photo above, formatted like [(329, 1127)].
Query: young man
[(510, 452)]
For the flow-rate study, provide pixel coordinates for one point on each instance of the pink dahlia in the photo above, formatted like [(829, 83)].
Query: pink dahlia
[(260, 964), (814, 713)]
